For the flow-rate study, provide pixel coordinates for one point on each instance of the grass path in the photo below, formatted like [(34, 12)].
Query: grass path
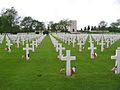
[(41, 72)]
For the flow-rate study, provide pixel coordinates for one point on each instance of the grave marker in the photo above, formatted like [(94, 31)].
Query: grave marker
[(27, 51), (117, 62), (60, 48), (9, 45), (92, 54), (68, 58)]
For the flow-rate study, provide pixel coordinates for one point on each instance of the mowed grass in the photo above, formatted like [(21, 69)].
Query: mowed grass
[(41, 72)]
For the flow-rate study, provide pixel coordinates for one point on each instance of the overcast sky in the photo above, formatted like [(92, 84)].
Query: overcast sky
[(86, 12)]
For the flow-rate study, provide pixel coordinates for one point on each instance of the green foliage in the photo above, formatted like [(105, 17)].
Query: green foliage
[(30, 25), (9, 19), (60, 26)]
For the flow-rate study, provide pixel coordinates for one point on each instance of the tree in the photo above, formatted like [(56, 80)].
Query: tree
[(5, 27), (114, 25), (38, 26), (92, 28), (26, 24), (102, 25), (63, 25), (54, 27), (88, 28), (10, 19), (85, 28), (81, 29)]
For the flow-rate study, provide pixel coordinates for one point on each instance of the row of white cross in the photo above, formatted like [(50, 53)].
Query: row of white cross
[(81, 42), (101, 39), (105, 39), (16, 39), (71, 38), (1, 38), (35, 42), (66, 58)]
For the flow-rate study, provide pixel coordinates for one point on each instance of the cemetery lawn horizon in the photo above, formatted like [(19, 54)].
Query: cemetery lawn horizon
[(41, 71)]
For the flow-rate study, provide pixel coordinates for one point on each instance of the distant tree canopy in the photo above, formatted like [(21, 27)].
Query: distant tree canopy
[(30, 25), (11, 22), (62, 25)]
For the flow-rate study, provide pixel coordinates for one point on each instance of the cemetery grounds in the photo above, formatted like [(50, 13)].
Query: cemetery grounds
[(42, 70)]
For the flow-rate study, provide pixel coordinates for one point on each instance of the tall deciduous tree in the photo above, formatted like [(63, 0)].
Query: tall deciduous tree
[(26, 24), (38, 26), (10, 19), (63, 25), (114, 25), (102, 25)]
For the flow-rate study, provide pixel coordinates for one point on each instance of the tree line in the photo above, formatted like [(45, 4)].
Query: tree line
[(11, 22), (103, 26)]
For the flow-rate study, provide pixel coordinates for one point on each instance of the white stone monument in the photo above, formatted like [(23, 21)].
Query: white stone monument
[(68, 58), (72, 26)]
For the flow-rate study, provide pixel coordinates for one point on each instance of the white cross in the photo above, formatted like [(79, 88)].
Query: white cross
[(102, 44), (92, 50), (80, 43), (90, 39), (68, 40), (9, 45), (60, 48), (108, 42), (57, 46), (27, 40), (23, 41), (36, 43), (27, 51), (65, 39), (18, 43), (33, 46), (68, 58), (73, 41), (117, 62), (97, 40), (1, 40)]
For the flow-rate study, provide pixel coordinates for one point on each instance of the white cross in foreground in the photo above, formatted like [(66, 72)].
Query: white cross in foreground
[(68, 58), (117, 57), (27, 51)]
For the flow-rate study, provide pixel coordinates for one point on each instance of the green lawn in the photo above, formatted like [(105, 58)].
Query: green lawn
[(41, 72)]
